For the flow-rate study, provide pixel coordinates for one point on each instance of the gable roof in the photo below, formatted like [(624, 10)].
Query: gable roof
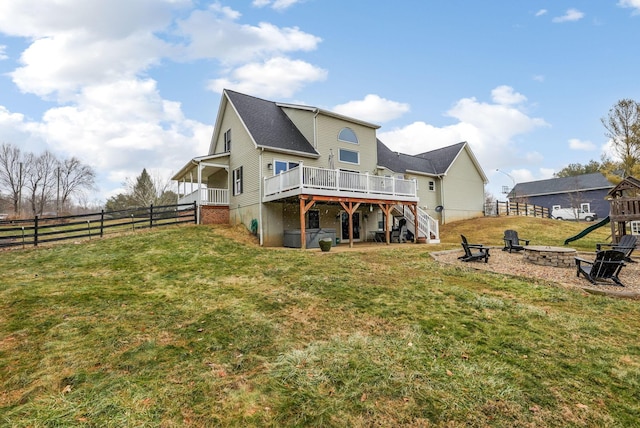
[(435, 162), (628, 185), (584, 182), (268, 125)]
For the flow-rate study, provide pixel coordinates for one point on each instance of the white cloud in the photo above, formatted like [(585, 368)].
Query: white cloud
[(490, 129), (373, 108), (576, 144), (275, 4), (634, 4), (281, 77), (64, 63), (213, 33), (538, 78), (506, 96), (17, 130), (74, 42), (3, 54), (541, 12), (90, 60), (570, 16)]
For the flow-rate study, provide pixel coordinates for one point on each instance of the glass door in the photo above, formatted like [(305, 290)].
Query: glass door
[(345, 226)]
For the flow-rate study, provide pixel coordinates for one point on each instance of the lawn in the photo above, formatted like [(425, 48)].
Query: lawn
[(188, 327)]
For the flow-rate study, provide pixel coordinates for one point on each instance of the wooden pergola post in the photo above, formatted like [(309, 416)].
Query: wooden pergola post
[(386, 209), (350, 209), (304, 207), (414, 210)]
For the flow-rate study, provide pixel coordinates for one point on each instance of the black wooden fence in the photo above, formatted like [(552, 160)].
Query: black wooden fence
[(39, 230), (500, 208)]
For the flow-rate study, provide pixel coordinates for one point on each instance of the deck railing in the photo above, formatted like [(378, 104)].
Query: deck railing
[(208, 196), (339, 181), (624, 209)]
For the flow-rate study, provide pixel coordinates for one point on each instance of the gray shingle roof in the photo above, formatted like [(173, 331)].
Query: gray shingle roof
[(562, 185), (269, 126), (434, 162)]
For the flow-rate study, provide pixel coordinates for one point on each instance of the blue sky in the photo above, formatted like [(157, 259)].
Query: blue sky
[(132, 84)]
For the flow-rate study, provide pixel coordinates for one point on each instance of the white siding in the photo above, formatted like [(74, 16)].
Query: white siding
[(463, 190)]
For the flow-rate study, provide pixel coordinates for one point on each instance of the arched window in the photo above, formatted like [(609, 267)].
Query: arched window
[(347, 135)]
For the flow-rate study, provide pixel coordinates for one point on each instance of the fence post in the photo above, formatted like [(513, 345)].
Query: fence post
[(151, 216), (35, 231), (195, 212), (101, 223)]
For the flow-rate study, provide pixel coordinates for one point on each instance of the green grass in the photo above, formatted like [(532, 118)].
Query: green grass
[(186, 327)]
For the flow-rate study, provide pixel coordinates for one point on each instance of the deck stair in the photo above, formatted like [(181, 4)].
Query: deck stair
[(427, 225)]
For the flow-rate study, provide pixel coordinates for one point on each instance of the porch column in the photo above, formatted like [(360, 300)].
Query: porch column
[(386, 209), (350, 209), (198, 198), (414, 210), (304, 207)]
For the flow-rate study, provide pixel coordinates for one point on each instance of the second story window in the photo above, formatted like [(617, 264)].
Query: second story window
[(432, 186), (349, 156), (348, 136), (237, 181), (227, 141)]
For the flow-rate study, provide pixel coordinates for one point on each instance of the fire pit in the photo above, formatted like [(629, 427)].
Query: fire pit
[(550, 256)]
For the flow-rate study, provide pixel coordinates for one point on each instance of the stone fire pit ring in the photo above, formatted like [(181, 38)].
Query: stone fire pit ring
[(550, 256)]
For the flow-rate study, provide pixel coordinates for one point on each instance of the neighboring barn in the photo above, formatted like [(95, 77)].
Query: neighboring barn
[(587, 191)]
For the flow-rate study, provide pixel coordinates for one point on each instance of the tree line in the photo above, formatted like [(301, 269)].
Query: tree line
[(144, 191), (622, 127), (37, 183)]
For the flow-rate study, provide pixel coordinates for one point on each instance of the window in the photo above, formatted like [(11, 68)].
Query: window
[(237, 181), (432, 186), (635, 227), (227, 141), (348, 136), (313, 219), (555, 207), (382, 219), (283, 166), (585, 208), (349, 156)]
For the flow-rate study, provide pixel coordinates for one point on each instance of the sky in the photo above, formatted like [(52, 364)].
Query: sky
[(130, 84)]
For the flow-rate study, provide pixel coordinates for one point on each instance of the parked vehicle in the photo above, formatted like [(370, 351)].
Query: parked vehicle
[(572, 214)]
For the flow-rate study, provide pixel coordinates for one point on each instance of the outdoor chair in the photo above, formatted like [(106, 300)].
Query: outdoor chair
[(512, 242), (399, 235), (473, 251), (626, 244), (607, 265)]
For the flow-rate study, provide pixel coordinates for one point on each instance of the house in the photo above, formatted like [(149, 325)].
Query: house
[(587, 192), (294, 174)]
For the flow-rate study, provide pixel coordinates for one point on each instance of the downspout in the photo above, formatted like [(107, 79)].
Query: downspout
[(315, 129), (442, 213), (260, 190)]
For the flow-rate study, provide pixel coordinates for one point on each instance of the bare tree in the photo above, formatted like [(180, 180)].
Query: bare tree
[(40, 180), (623, 128), (72, 178), (11, 173)]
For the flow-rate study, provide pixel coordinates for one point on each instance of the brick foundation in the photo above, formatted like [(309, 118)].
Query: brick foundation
[(210, 214)]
